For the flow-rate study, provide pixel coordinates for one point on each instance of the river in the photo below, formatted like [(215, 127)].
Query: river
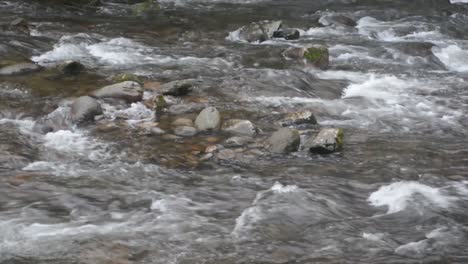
[(397, 85)]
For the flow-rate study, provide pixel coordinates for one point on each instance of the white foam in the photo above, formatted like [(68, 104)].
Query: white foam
[(399, 196), (280, 188), (25, 126), (116, 51), (373, 237), (454, 57), (76, 143)]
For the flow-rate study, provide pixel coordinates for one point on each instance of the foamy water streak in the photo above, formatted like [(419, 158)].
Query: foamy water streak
[(404, 195)]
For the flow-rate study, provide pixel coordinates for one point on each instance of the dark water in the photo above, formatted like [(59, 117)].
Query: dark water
[(397, 193)]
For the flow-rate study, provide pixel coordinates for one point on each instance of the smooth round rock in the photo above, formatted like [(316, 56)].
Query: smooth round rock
[(208, 119), (85, 108)]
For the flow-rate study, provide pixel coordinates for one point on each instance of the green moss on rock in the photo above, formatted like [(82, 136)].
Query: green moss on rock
[(318, 56)]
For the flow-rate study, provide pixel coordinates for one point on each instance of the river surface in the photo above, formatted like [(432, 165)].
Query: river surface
[(397, 85)]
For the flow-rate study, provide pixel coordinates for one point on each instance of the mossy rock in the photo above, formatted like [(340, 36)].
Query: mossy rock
[(146, 6), (123, 77), (318, 56)]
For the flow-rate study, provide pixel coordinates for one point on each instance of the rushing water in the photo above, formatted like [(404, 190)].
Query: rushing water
[(397, 193)]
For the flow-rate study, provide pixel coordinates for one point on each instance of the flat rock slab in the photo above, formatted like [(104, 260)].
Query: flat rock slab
[(129, 91), (20, 68), (239, 127)]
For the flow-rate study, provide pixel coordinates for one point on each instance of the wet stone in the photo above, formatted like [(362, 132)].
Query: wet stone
[(182, 122), (226, 154), (85, 108), (327, 141), (299, 118), (20, 68), (239, 127), (287, 33), (238, 141), (208, 119), (185, 131), (285, 140), (71, 68), (259, 31), (318, 56), (128, 91), (178, 88)]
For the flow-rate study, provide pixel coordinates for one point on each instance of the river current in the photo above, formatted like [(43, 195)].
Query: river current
[(397, 85)]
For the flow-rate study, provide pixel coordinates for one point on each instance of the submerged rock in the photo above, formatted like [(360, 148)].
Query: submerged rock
[(299, 118), (208, 119), (327, 141), (185, 131), (59, 119), (182, 122), (334, 20), (20, 25), (259, 31), (239, 127), (20, 68), (317, 56), (294, 53), (85, 108), (178, 88), (287, 33), (238, 141), (285, 140), (71, 68), (128, 91)]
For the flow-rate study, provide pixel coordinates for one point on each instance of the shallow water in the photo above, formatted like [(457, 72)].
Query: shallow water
[(397, 193)]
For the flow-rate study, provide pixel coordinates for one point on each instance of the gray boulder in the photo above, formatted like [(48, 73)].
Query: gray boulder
[(20, 68), (299, 118), (285, 140), (85, 108), (327, 141), (239, 127), (208, 119), (128, 91), (185, 131), (259, 31), (178, 88)]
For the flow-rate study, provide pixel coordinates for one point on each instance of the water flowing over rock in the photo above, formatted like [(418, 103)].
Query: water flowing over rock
[(258, 31), (208, 119), (128, 91), (285, 140), (85, 108), (328, 20)]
